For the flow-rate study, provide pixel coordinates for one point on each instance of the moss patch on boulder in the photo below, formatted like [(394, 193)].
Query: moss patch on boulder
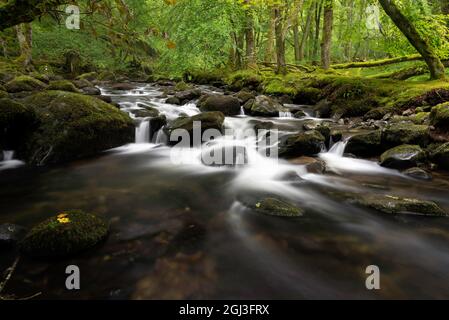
[(366, 144), (441, 156), (72, 126), (66, 234), (439, 117), (405, 133), (402, 157), (228, 105), (63, 85), (263, 106), (303, 144), (276, 207), (24, 83)]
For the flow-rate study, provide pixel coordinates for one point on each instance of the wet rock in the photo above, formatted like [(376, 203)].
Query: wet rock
[(123, 86), (263, 106), (90, 76), (303, 144), (72, 126), (366, 144), (82, 83), (323, 109), (224, 156), (106, 99), (299, 114), (188, 95), (396, 205), (418, 173), (311, 125), (16, 124), (91, 91), (405, 133), (156, 124), (173, 100), (62, 85), (10, 235), (262, 125), (147, 112), (208, 120), (440, 156), (244, 96), (64, 235), (439, 117), (276, 207), (24, 83), (313, 165), (228, 105), (402, 157)]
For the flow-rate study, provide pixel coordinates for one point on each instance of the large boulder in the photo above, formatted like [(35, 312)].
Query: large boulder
[(402, 157), (303, 144), (263, 106), (188, 95), (63, 85), (24, 83), (228, 105), (365, 144), (244, 96), (207, 120), (64, 235), (72, 126), (396, 205), (405, 133), (441, 156), (439, 117), (16, 123)]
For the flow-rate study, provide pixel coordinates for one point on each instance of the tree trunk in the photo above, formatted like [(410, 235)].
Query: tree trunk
[(280, 43), (3, 44), (417, 41), (444, 6), (327, 34), (24, 34), (296, 42), (319, 8), (306, 32), (269, 51), (250, 43)]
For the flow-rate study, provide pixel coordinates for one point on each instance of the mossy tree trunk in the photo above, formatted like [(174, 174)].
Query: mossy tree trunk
[(416, 40), (306, 32), (280, 43), (327, 34), (269, 51), (319, 9), (24, 34), (249, 37)]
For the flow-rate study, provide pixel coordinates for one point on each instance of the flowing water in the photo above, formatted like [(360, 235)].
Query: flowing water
[(179, 228)]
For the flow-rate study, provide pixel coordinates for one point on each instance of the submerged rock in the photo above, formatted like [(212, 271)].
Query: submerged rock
[(208, 120), (276, 207), (313, 165), (123, 86), (441, 156), (366, 144), (439, 117), (24, 83), (228, 105), (10, 235), (263, 106), (418, 173), (396, 205), (402, 157), (72, 126), (303, 144), (63, 85), (405, 133), (64, 235)]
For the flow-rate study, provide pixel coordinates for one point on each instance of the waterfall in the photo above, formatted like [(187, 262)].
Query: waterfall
[(338, 148), (143, 132), (242, 111), (8, 155), (161, 137), (285, 114)]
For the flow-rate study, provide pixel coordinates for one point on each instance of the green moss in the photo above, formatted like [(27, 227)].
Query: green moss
[(404, 156), (24, 83), (73, 126), (66, 234), (182, 86), (405, 133), (420, 117), (439, 116), (63, 85), (366, 144), (440, 155), (3, 94), (244, 79), (90, 76), (277, 207)]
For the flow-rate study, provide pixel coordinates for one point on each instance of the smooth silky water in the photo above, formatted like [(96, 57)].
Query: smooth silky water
[(179, 231)]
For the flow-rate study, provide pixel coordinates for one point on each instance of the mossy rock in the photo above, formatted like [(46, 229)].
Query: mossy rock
[(82, 83), (366, 144), (303, 144), (188, 95), (24, 83), (396, 205), (228, 105), (208, 120), (420, 117), (3, 94), (306, 95), (40, 76), (63, 85), (263, 106), (2, 88), (16, 124), (73, 126), (276, 207), (377, 113), (402, 157), (182, 86), (104, 76), (244, 96), (147, 112), (90, 76), (405, 133), (439, 117), (64, 235), (440, 156)]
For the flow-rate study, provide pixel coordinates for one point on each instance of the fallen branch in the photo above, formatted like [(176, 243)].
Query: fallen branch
[(377, 63)]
